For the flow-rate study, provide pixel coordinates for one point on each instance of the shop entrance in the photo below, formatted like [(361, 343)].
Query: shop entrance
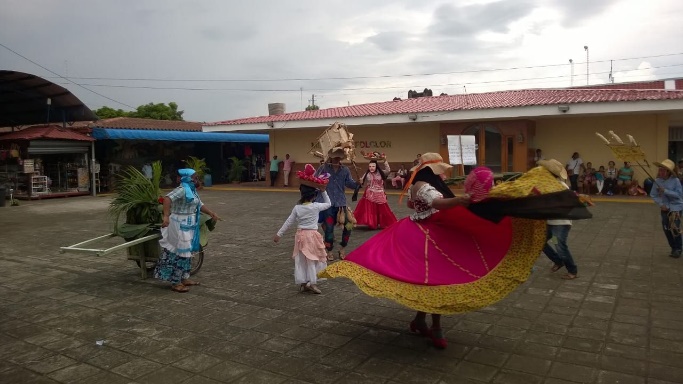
[(494, 150)]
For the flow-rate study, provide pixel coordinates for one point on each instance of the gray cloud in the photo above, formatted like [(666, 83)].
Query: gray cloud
[(575, 12), (451, 20)]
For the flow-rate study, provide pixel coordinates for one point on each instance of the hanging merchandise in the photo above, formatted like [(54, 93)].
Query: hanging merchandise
[(247, 150), (14, 151)]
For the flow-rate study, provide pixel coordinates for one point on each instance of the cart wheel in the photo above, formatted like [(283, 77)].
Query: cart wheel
[(197, 260)]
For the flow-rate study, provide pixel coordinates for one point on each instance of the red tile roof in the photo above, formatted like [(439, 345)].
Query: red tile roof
[(147, 124), (49, 132), (490, 100)]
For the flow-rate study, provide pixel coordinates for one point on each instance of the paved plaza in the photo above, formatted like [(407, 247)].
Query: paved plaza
[(620, 322)]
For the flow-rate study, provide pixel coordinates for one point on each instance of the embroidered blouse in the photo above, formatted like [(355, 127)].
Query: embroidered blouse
[(422, 202)]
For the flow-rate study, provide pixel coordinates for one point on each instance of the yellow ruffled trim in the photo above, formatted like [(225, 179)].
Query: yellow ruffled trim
[(528, 238)]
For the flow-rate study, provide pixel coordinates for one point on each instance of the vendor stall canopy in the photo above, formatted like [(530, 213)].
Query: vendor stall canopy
[(217, 137), (27, 99)]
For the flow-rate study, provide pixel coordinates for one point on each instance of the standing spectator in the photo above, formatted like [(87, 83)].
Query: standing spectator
[(610, 178), (400, 177), (147, 171), (538, 156), (340, 179), (274, 170), (287, 168), (574, 168), (417, 159), (560, 255), (680, 170), (668, 194)]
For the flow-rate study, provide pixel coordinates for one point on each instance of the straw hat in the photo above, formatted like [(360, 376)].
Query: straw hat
[(435, 163), (668, 164), (555, 167), (337, 152)]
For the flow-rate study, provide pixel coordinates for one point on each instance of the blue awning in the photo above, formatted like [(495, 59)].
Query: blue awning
[(140, 134)]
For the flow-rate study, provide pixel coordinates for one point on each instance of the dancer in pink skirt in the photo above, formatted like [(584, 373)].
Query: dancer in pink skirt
[(372, 209)]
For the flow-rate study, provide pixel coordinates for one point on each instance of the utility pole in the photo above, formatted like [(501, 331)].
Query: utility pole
[(313, 99), (571, 73), (585, 47)]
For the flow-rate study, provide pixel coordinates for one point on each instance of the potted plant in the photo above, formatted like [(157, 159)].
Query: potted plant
[(199, 165), (237, 168)]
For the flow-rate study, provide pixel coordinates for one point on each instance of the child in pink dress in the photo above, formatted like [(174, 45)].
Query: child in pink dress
[(309, 252)]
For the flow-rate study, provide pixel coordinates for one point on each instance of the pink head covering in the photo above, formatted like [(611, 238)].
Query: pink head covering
[(478, 184)]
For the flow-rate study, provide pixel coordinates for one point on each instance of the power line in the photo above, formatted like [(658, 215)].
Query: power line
[(362, 88), (368, 77), (62, 77)]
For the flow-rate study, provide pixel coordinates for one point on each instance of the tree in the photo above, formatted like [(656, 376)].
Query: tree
[(158, 111), (312, 108)]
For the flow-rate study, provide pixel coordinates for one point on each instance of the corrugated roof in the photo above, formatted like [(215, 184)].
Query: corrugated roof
[(24, 100), (49, 132), (147, 124), (490, 100)]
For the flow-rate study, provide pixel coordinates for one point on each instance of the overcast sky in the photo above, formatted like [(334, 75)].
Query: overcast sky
[(342, 51)]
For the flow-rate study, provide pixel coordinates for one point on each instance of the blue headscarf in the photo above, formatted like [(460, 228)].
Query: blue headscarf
[(187, 183)]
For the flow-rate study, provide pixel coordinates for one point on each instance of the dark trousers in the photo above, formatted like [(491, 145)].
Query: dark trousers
[(328, 218), (609, 186), (561, 256), (574, 181), (273, 176), (673, 239)]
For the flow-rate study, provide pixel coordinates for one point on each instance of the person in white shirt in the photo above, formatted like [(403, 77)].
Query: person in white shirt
[(574, 168), (309, 254), (560, 255), (147, 171), (287, 168)]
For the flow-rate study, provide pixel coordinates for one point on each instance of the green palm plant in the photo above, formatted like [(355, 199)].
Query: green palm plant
[(137, 197), (199, 165), (237, 168)]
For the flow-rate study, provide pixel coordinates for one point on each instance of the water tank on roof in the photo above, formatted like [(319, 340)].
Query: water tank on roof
[(276, 108)]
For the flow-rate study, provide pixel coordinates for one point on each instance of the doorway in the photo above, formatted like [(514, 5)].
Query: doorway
[(492, 152)]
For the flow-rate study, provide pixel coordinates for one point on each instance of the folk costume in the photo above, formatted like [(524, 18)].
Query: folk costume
[(181, 238), (459, 259), (309, 252), (372, 209)]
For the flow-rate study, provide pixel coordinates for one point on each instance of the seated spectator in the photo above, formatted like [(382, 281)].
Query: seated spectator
[(611, 178), (600, 179), (625, 178), (588, 179), (400, 177)]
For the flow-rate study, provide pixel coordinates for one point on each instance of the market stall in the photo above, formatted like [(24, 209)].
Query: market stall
[(46, 161)]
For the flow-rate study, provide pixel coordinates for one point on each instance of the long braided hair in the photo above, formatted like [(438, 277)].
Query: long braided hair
[(427, 175)]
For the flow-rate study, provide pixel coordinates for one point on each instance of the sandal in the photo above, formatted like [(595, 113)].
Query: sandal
[(342, 254), (330, 256), (555, 268), (438, 339), (303, 287), (180, 288), (314, 289), (569, 276), (189, 283)]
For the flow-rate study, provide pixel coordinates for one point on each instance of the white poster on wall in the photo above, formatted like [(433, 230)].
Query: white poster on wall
[(462, 149)]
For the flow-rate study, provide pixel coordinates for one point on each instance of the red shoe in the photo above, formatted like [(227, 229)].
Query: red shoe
[(438, 339), (422, 330)]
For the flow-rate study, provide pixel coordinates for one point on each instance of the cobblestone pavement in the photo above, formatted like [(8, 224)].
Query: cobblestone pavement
[(620, 322)]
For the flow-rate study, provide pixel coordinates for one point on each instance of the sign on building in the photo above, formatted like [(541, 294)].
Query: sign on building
[(462, 149)]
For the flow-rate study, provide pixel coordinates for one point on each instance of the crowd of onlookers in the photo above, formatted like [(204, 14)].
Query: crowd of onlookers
[(601, 180)]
